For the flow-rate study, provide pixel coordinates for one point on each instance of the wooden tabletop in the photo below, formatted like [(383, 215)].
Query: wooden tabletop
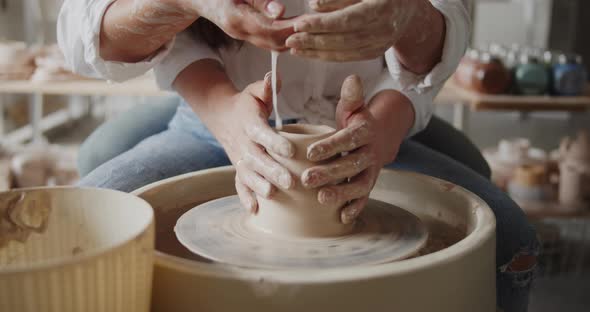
[(452, 93), (143, 86)]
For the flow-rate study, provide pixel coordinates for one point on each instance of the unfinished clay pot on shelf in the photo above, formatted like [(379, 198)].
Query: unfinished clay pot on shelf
[(574, 168), (531, 183), (16, 62), (293, 230), (509, 155), (72, 250)]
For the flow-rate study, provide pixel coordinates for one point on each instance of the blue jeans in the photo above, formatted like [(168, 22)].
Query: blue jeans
[(186, 145)]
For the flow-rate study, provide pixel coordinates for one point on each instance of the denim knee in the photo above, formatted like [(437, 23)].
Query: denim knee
[(515, 276)]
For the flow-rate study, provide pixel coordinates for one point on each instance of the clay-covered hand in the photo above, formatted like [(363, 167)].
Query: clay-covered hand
[(352, 30), (361, 140), (254, 21), (247, 139)]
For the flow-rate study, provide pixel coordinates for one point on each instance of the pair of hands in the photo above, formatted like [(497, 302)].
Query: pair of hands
[(358, 135), (344, 30)]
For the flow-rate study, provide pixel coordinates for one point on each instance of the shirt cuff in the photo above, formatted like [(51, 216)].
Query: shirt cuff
[(421, 102), (116, 71), (186, 50), (456, 40)]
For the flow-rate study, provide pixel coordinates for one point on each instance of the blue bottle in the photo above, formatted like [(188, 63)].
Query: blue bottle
[(569, 75)]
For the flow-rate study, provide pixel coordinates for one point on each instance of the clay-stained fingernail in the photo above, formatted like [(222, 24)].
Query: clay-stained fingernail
[(326, 196), (285, 181), (286, 150), (311, 179), (349, 214), (315, 153), (312, 155), (274, 8)]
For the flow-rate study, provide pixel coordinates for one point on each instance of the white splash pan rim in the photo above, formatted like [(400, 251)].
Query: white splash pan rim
[(481, 233), (87, 255)]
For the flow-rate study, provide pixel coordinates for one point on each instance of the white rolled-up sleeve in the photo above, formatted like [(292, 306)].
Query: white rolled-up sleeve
[(78, 34), (185, 51), (422, 89)]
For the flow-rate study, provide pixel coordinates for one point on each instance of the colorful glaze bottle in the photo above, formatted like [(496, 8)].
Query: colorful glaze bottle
[(511, 61), (531, 76), (491, 77), (570, 76), (466, 70), (549, 59)]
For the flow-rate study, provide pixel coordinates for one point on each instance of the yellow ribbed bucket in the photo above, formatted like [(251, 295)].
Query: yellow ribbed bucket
[(72, 249)]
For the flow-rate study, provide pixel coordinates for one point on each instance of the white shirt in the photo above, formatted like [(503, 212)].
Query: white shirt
[(310, 88)]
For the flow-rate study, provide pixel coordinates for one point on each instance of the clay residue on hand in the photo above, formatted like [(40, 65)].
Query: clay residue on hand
[(22, 213)]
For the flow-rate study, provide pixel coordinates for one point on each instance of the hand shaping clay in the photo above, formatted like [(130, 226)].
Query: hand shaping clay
[(297, 212), (293, 230)]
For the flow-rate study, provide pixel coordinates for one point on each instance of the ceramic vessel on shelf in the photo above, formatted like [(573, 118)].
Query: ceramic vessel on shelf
[(466, 70), (508, 156), (16, 62), (549, 60), (570, 76), (531, 76), (15, 53), (574, 183), (483, 72), (530, 183)]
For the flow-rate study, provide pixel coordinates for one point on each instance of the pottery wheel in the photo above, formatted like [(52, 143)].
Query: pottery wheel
[(219, 230)]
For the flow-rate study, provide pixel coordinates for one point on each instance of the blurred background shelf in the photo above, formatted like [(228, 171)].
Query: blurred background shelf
[(480, 102), (142, 87), (80, 93), (466, 101)]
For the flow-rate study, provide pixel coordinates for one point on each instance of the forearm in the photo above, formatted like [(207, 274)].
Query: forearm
[(420, 49), (207, 89), (134, 29), (395, 116)]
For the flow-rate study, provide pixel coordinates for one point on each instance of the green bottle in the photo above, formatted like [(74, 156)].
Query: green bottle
[(532, 77)]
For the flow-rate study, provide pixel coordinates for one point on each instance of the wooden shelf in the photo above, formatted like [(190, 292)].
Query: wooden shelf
[(143, 86), (140, 87), (452, 93), (552, 209)]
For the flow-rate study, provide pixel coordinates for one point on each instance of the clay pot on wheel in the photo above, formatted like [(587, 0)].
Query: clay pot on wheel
[(293, 230), (184, 281), (297, 212)]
